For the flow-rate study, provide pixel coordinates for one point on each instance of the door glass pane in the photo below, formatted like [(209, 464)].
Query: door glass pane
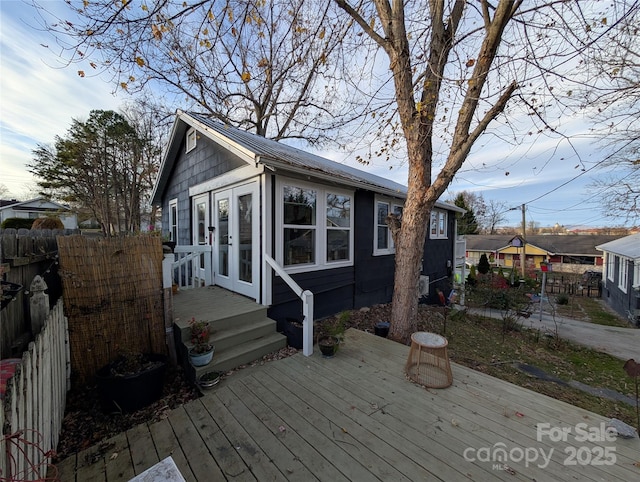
[(201, 219), (245, 257), (223, 236)]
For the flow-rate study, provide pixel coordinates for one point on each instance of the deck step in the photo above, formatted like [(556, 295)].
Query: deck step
[(240, 330), (219, 323), (241, 354)]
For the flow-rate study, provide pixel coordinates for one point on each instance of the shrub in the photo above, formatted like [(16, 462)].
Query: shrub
[(562, 299), (47, 223), (17, 223), (483, 264)]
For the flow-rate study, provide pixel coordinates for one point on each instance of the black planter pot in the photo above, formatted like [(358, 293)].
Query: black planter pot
[(292, 329), (381, 329), (9, 292), (328, 346), (132, 392), (171, 245)]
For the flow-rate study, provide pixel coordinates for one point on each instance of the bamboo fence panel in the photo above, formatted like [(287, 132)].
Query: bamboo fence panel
[(112, 290)]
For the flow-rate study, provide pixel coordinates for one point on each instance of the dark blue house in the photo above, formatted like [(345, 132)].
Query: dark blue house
[(323, 223)]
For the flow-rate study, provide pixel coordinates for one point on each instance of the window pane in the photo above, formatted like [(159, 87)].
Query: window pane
[(299, 206), (397, 210), (337, 244), (383, 237), (299, 246), (443, 225), (173, 214), (434, 224), (383, 212), (338, 211)]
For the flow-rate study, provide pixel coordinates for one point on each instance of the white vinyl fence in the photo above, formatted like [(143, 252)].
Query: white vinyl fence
[(33, 407)]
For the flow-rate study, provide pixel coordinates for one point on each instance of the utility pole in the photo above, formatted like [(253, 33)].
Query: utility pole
[(524, 243)]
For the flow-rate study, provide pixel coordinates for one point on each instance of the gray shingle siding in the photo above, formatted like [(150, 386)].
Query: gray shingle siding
[(204, 162)]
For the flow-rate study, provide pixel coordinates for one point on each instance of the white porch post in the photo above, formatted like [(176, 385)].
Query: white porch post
[(307, 323)]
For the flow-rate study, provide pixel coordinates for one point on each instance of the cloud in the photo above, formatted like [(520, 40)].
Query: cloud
[(38, 101)]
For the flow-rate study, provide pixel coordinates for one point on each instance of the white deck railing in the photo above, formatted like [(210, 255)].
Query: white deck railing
[(192, 266), (306, 297)]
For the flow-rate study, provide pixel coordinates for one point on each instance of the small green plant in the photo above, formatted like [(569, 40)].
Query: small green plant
[(562, 299), (338, 328)]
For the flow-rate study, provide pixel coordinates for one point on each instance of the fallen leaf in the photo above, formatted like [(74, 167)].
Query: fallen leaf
[(282, 428), (114, 456)]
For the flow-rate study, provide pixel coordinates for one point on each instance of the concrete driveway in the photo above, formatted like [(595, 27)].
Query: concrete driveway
[(623, 343)]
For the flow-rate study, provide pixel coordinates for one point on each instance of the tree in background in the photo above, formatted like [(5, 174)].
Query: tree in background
[(493, 215), (267, 67), (103, 166), (467, 223), (613, 102)]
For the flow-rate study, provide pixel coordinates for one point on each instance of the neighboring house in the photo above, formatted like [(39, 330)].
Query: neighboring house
[(622, 276), (38, 208), (322, 221), (567, 253)]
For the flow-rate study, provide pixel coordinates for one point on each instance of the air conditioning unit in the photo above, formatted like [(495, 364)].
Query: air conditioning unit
[(423, 286)]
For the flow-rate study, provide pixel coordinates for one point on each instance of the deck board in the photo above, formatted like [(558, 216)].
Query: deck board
[(357, 417)]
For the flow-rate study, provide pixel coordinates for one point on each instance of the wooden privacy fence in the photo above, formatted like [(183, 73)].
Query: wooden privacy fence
[(25, 254), (34, 403), (113, 299)]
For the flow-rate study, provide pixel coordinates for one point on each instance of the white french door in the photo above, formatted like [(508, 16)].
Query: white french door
[(236, 248), (201, 223)]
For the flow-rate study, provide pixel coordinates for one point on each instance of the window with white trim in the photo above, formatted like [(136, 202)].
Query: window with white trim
[(382, 238), (438, 225), (611, 265), (338, 227), (173, 220), (636, 274), (316, 226), (191, 140), (623, 274)]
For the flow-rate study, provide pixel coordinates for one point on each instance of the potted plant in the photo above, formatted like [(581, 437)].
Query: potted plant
[(209, 380), (168, 242), (131, 381), (333, 335), (201, 353)]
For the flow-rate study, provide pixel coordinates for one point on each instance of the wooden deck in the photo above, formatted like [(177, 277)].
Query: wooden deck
[(356, 417)]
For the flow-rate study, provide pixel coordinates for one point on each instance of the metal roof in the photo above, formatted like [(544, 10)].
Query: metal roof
[(629, 247), (280, 156)]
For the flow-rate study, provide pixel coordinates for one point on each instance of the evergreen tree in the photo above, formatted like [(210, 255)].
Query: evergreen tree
[(467, 222), (103, 166), (483, 265)]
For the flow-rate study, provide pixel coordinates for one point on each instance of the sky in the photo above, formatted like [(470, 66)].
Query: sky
[(39, 98)]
